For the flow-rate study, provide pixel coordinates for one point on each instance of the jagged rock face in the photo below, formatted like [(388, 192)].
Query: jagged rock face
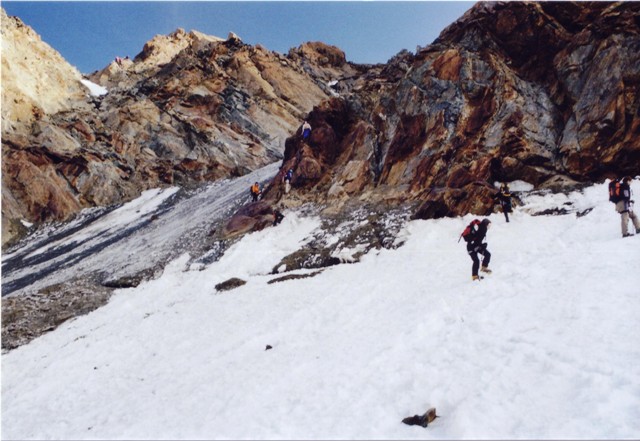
[(27, 94), (36, 82), (188, 108), (547, 93)]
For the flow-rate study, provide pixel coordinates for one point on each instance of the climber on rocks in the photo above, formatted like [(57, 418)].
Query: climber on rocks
[(504, 198), (255, 191), (278, 216), (287, 180), (306, 130)]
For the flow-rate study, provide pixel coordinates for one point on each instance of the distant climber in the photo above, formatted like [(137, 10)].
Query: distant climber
[(620, 194), (504, 197), (255, 191), (278, 217), (306, 130), (287, 180), (474, 234)]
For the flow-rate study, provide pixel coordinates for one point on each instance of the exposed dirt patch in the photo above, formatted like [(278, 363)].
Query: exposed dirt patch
[(26, 317), (346, 237)]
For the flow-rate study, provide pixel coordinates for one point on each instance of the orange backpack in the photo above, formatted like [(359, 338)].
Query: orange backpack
[(614, 191)]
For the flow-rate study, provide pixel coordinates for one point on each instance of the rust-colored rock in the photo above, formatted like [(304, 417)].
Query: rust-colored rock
[(546, 93)]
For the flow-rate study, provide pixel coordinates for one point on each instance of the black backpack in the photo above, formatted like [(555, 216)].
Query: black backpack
[(615, 194)]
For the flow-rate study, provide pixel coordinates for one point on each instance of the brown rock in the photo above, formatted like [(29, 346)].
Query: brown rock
[(254, 216), (505, 93)]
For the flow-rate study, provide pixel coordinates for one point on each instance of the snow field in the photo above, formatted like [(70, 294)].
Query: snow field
[(546, 347)]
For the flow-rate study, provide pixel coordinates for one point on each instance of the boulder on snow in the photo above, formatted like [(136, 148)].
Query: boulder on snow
[(422, 420), (230, 284), (252, 217)]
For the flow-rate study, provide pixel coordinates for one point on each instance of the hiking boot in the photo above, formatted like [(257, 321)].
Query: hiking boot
[(637, 230), (627, 235), (473, 278), (484, 269)]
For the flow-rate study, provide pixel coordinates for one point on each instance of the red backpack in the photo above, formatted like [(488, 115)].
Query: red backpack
[(470, 231)]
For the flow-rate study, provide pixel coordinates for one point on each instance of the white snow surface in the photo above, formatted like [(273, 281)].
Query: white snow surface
[(94, 89), (516, 186), (546, 347)]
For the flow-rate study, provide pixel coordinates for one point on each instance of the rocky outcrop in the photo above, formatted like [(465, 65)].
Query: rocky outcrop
[(124, 72), (189, 108), (546, 93), (27, 95), (252, 217)]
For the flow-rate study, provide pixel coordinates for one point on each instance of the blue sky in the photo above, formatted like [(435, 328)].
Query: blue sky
[(89, 35)]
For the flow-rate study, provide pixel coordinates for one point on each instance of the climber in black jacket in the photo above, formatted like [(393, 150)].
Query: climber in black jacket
[(504, 197), (477, 246)]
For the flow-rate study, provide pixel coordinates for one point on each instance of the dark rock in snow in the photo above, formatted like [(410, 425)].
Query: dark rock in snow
[(230, 284), (293, 277), (422, 420)]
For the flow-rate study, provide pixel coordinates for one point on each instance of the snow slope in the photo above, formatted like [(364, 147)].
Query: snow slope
[(158, 225), (544, 348)]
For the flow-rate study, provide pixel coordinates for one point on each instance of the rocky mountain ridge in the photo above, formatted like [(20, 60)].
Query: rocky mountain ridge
[(547, 93), (189, 108)]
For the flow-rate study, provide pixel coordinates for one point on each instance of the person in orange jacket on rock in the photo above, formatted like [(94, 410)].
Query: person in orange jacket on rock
[(255, 191)]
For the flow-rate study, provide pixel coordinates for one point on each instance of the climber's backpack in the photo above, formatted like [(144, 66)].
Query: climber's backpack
[(614, 191), (470, 231)]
